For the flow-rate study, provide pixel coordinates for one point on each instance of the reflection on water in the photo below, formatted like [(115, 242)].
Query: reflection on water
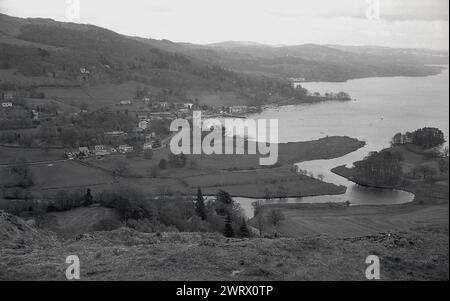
[(356, 195), (383, 107)]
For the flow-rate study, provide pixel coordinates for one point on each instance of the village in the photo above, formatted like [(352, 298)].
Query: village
[(26, 114)]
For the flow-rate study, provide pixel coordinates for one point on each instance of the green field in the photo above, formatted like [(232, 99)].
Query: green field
[(240, 175), (31, 155)]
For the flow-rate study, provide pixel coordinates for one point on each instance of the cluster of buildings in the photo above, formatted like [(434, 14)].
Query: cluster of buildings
[(296, 81), (98, 150), (160, 105), (7, 104), (6, 99), (338, 96), (238, 109)]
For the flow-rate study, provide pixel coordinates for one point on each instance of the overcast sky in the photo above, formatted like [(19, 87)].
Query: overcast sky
[(399, 23)]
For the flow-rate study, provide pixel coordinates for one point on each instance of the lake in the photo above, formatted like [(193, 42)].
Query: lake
[(382, 107)]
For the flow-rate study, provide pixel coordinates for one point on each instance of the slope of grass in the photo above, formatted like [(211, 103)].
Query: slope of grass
[(125, 254)]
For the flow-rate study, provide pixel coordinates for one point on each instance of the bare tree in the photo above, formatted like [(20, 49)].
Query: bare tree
[(275, 216)]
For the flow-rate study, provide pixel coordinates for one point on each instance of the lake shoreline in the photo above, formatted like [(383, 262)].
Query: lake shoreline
[(429, 206), (346, 173)]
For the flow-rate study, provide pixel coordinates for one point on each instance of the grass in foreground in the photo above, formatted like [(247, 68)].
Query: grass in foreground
[(125, 254)]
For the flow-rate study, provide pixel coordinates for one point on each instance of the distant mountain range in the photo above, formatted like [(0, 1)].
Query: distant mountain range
[(329, 62), (56, 50)]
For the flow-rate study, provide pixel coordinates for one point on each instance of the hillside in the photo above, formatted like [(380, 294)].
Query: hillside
[(328, 63), (43, 52), (125, 254), (53, 53)]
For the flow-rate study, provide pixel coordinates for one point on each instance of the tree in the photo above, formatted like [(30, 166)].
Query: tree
[(243, 229), (397, 139), (200, 205), (428, 137), (443, 165), (320, 177), (445, 152), (426, 171), (381, 168), (261, 221), (162, 164), (223, 203), (281, 192), (224, 197), (275, 216), (228, 230), (267, 194), (88, 199)]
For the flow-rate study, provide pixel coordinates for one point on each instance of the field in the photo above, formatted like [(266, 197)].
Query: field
[(56, 175), (240, 175), (339, 220), (254, 183), (31, 155), (96, 96)]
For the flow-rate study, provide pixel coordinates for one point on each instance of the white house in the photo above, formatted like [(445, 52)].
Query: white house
[(143, 124), (35, 114), (84, 71), (7, 104), (147, 146), (125, 148), (125, 102), (238, 109), (83, 150), (100, 150), (163, 104)]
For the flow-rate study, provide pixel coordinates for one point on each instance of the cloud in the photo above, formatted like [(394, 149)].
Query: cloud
[(416, 10), (389, 10)]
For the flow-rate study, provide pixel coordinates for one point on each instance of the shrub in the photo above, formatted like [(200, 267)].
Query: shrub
[(162, 164)]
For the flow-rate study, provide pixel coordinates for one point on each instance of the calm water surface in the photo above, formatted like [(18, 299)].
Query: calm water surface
[(382, 107)]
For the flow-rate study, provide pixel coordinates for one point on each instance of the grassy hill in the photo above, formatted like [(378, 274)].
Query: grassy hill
[(54, 52), (27, 253)]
